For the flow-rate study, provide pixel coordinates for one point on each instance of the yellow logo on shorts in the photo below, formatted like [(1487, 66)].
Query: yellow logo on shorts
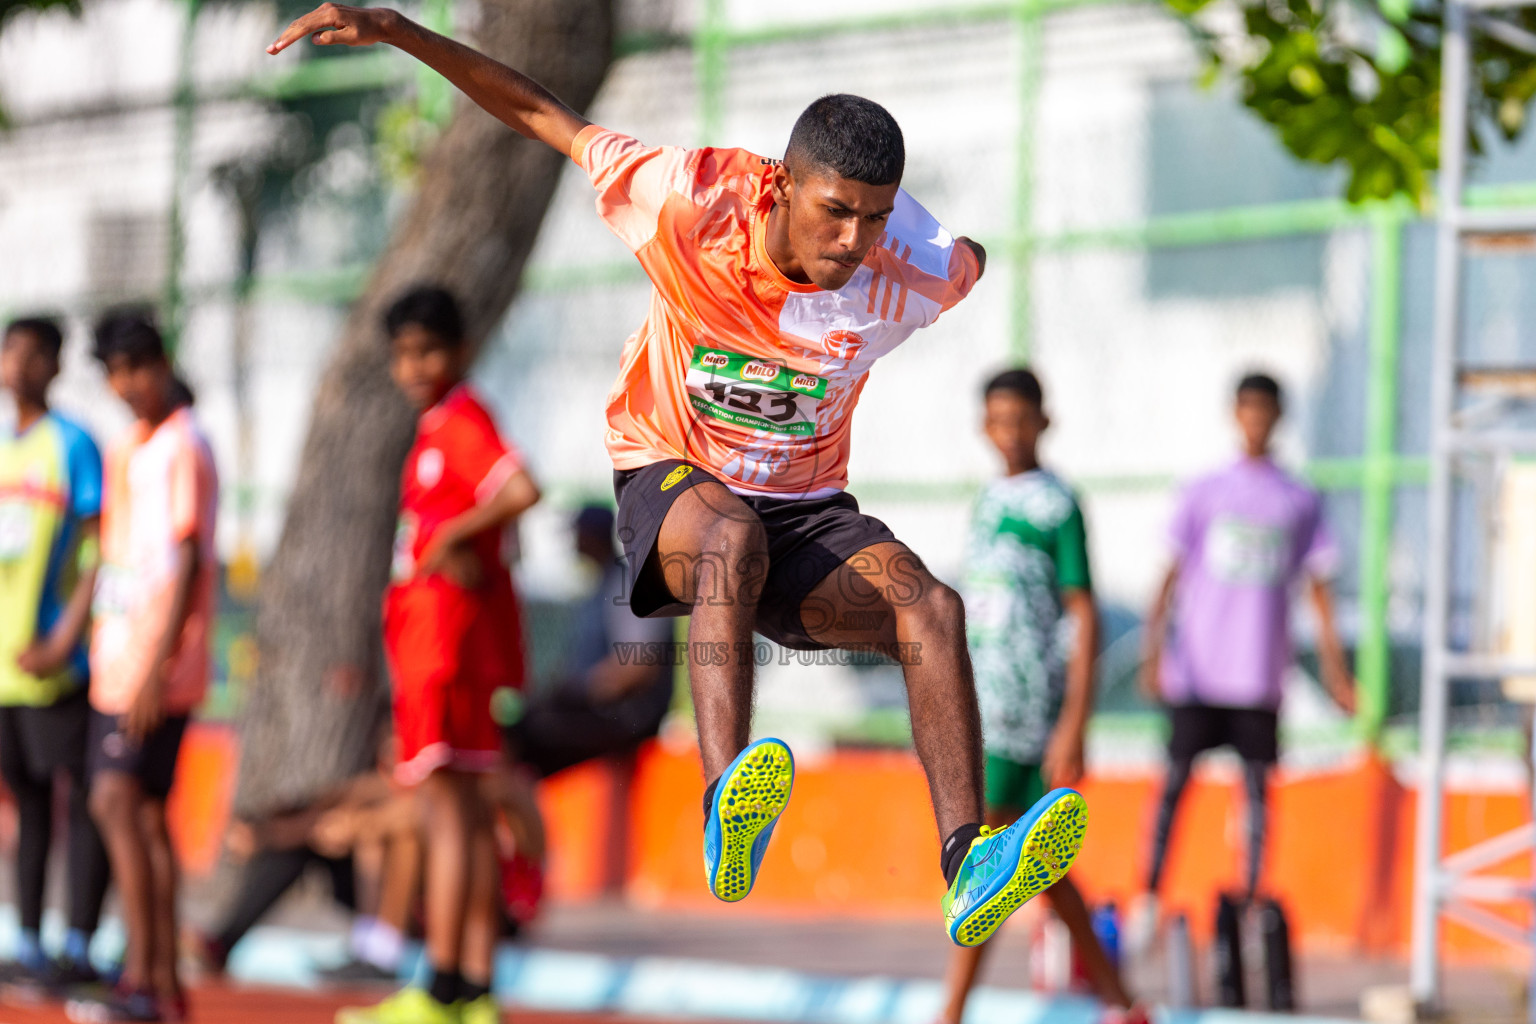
[(674, 476)]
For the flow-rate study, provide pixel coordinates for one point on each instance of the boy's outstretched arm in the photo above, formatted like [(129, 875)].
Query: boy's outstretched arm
[(512, 97), (1063, 762)]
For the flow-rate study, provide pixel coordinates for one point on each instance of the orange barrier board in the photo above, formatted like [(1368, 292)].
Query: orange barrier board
[(859, 839)]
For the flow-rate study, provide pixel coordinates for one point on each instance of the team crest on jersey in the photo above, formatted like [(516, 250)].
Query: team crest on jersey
[(845, 345), (429, 467), (674, 476)]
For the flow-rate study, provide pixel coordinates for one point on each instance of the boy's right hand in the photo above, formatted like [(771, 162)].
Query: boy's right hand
[(333, 24), (147, 711)]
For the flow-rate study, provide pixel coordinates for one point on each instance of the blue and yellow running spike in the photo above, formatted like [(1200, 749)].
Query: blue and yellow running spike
[(747, 803), (1005, 869)]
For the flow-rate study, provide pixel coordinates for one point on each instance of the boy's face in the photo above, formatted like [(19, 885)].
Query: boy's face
[(1257, 414), (424, 365), (26, 367), (143, 385), (1013, 424), (831, 221)]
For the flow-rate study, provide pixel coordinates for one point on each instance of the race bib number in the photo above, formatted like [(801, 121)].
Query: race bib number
[(1246, 553), (754, 394), (17, 527)]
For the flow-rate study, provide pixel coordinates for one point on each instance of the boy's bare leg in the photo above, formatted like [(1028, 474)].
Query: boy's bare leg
[(448, 812), (959, 979), (368, 869), (1068, 903), (887, 592), (401, 879), (115, 804), (482, 924), (162, 887), (713, 554)]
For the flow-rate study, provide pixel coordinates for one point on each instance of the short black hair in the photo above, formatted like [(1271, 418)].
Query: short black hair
[(131, 333), (428, 306), (850, 136), (1264, 384), (1017, 381), (44, 328)]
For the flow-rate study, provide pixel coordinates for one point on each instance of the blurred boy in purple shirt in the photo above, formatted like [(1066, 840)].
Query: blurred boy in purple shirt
[(1242, 538)]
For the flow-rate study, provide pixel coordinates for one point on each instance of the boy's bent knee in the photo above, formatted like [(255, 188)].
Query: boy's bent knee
[(937, 609)]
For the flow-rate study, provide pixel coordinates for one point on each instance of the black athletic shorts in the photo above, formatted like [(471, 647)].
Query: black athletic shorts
[(152, 762), (38, 742), (1252, 732), (807, 539)]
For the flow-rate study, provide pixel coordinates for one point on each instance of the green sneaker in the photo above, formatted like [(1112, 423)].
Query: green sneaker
[(481, 1011), (408, 1006), (1005, 869)]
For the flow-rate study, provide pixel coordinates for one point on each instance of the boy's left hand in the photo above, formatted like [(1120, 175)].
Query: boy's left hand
[(147, 710), (1063, 761), (453, 559)]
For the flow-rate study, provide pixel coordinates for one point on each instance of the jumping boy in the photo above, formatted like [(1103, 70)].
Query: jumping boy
[(154, 611), (453, 638), (50, 507), (777, 285), (1026, 578)]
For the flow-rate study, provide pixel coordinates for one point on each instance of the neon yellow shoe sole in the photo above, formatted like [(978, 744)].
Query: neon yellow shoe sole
[(748, 801), (1004, 870)]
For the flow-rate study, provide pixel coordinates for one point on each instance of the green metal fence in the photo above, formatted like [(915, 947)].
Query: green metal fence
[(1377, 474)]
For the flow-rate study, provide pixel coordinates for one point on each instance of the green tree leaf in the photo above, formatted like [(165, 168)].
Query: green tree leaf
[(1376, 111)]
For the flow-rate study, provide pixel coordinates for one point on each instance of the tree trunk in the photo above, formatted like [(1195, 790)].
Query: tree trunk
[(482, 196)]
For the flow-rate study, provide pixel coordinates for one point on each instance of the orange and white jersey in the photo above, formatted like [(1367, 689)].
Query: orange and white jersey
[(737, 368), (160, 489)]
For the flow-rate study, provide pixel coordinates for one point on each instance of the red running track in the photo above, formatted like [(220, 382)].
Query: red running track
[(239, 1005)]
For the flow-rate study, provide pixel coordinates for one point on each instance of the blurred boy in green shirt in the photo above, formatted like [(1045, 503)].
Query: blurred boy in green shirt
[(1032, 632)]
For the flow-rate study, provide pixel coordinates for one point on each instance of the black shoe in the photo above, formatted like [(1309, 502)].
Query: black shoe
[(356, 972), (65, 977)]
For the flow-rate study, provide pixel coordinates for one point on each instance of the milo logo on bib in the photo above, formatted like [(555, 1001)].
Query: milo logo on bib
[(754, 394)]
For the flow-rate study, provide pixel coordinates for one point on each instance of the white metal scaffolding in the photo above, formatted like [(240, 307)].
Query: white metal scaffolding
[(1451, 887)]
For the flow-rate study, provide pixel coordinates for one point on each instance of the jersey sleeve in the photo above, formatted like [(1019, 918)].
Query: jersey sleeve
[(1184, 530), (481, 457), (1072, 571), (82, 461), (633, 181), (932, 268), (1319, 551)]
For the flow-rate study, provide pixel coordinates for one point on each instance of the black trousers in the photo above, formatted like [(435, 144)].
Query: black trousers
[(37, 746), (271, 873)]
